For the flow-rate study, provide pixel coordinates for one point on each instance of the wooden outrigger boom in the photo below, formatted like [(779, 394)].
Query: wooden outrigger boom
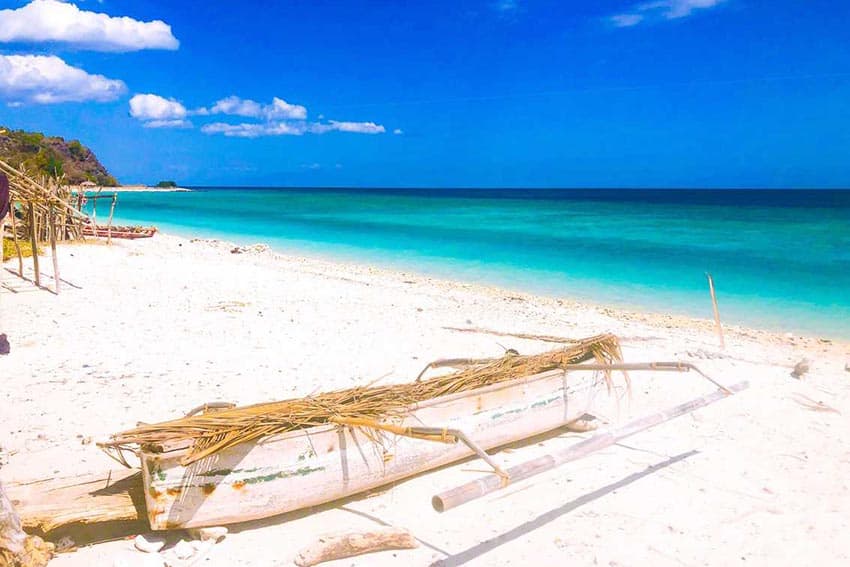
[(491, 483)]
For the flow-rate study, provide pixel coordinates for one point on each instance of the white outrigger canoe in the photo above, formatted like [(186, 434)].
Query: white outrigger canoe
[(308, 467)]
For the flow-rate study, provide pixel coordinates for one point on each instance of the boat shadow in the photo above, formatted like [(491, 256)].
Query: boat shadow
[(483, 547)]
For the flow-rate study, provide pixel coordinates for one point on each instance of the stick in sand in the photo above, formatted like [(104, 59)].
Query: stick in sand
[(51, 219), (716, 311), (15, 239), (491, 483), (34, 244)]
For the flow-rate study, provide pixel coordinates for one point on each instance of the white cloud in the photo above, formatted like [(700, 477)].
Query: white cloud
[(506, 5), (357, 127), (290, 128), (155, 107), (398, 131), (664, 9), (52, 20), (48, 79), (278, 118), (255, 130), (175, 123), (626, 20), (158, 112), (279, 109)]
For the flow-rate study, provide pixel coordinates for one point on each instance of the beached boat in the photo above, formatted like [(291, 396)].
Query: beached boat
[(312, 466), (129, 232), (225, 465)]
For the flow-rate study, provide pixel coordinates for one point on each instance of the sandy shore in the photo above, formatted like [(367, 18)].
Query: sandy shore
[(145, 330)]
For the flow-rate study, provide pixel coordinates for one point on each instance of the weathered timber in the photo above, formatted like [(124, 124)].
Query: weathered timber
[(86, 508)]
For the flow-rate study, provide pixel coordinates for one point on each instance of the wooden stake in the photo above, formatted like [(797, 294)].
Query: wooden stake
[(51, 219), (716, 311), (34, 243), (94, 217), (340, 546), (15, 240), (109, 224)]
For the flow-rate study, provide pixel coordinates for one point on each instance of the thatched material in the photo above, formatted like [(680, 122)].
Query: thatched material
[(218, 430)]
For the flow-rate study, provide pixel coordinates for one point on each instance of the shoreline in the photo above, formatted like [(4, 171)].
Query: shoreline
[(128, 189), (633, 312), (184, 322)]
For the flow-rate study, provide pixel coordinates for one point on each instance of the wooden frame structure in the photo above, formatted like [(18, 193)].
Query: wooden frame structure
[(40, 212)]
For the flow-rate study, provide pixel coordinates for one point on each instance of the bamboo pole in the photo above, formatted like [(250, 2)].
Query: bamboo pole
[(15, 240), (716, 311), (34, 243), (109, 224), (94, 217), (493, 482), (51, 220)]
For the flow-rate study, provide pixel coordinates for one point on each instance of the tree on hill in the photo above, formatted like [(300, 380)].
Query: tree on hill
[(52, 156)]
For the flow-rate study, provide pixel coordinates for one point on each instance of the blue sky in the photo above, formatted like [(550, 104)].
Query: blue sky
[(523, 93)]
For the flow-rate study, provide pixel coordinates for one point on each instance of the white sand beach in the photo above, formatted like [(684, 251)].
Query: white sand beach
[(146, 330)]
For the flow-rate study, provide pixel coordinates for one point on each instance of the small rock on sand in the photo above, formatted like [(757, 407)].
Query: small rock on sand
[(149, 543), (205, 534), (800, 369)]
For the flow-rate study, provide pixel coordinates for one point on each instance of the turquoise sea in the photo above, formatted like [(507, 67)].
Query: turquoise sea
[(780, 259)]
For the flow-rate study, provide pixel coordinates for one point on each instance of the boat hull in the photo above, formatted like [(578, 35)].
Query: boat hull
[(104, 232), (312, 466)]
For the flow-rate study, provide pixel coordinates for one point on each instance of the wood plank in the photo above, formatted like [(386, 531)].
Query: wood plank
[(87, 508)]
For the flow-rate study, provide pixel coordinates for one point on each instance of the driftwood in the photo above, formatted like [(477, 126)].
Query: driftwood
[(85, 508), (340, 546), (17, 549)]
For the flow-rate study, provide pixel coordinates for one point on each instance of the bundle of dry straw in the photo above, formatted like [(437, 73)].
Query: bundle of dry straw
[(212, 432)]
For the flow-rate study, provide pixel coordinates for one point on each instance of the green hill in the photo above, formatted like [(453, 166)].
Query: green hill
[(52, 156)]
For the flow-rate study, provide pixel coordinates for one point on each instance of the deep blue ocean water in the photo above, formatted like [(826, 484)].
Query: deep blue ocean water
[(780, 259)]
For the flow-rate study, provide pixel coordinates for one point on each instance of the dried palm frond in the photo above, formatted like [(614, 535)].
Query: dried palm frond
[(213, 432)]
